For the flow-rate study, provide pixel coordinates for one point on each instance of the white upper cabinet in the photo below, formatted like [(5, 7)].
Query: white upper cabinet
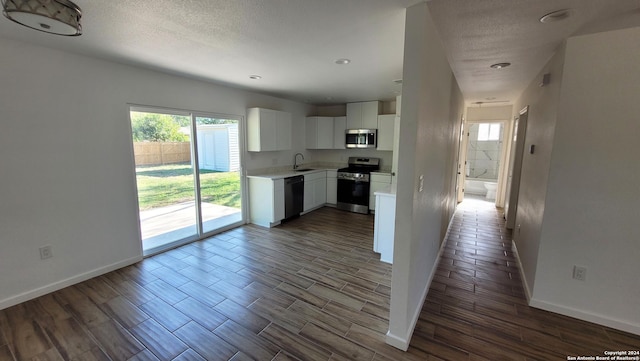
[(386, 131), (339, 131), (268, 130), (283, 124), (319, 132), (363, 115)]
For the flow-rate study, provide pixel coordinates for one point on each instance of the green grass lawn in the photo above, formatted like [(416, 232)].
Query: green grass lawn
[(165, 185)]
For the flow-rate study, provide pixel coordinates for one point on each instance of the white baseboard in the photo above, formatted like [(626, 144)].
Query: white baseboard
[(397, 342), (527, 290), (402, 341), (586, 316), (568, 311), (29, 295)]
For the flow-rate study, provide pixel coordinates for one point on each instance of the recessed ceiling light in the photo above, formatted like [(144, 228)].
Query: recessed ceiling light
[(343, 61), (557, 15), (500, 65), (255, 77)]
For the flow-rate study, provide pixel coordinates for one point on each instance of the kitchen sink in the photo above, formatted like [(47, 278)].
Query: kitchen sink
[(304, 170)]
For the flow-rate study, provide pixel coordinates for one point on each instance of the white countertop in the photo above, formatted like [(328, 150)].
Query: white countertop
[(389, 191), (289, 173)]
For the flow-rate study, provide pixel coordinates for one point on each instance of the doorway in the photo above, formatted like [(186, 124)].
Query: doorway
[(515, 167), (188, 175), (484, 152)]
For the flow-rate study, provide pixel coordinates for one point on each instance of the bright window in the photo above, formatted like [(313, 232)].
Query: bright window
[(488, 131)]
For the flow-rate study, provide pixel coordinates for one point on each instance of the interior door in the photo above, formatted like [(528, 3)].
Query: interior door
[(515, 167), (462, 160)]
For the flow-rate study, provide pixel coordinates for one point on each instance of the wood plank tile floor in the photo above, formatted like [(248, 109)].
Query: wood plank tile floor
[(311, 289)]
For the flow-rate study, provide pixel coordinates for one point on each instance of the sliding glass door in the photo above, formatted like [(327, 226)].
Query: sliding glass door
[(218, 145), (188, 175)]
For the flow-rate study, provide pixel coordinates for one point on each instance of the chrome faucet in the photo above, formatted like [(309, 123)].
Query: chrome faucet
[(295, 160)]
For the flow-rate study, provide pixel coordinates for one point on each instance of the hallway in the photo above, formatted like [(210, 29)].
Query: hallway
[(476, 308)]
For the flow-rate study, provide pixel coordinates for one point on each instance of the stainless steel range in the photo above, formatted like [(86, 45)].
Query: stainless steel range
[(353, 184)]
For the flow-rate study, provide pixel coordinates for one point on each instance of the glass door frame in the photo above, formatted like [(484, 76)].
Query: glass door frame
[(196, 173)]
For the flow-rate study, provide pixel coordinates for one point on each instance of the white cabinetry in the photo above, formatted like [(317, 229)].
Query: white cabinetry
[(386, 126), (315, 190), (363, 115), (384, 226), (319, 132), (266, 201), (268, 130), (332, 187), (339, 130), (378, 181), (396, 144)]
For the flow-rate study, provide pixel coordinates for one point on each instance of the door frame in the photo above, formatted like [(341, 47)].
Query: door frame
[(502, 169), (194, 160), (515, 164)]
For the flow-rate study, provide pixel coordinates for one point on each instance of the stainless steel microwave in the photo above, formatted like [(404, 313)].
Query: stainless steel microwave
[(361, 138)]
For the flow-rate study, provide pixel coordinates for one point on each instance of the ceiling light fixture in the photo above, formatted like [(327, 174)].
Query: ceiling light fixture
[(255, 77), (500, 65), (343, 61), (60, 17), (557, 15)]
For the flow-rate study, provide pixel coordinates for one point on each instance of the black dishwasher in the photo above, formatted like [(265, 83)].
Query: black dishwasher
[(293, 196)]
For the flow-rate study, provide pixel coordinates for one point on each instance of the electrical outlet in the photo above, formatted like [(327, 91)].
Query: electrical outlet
[(46, 252), (579, 273)]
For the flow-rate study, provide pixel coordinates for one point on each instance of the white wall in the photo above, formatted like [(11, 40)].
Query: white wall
[(67, 160), (488, 113), (543, 108), (590, 218), (427, 141)]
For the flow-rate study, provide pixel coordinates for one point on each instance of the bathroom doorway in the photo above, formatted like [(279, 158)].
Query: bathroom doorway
[(484, 157)]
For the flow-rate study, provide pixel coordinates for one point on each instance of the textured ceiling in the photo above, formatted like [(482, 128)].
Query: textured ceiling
[(293, 44), (478, 33)]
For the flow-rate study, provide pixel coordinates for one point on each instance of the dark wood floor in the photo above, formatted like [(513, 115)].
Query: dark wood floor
[(311, 289)]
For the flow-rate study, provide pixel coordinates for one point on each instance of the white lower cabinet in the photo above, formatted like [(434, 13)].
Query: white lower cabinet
[(266, 201), (378, 181), (315, 190), (385, 226), (332, 187)]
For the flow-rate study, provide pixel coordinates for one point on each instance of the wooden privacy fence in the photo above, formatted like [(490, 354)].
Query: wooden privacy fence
[(156, 153)]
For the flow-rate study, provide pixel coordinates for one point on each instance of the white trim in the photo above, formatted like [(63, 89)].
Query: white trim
[(568, 311), (397, 342), (29, 295), (527, 290), (586, 316), (402, 342)]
